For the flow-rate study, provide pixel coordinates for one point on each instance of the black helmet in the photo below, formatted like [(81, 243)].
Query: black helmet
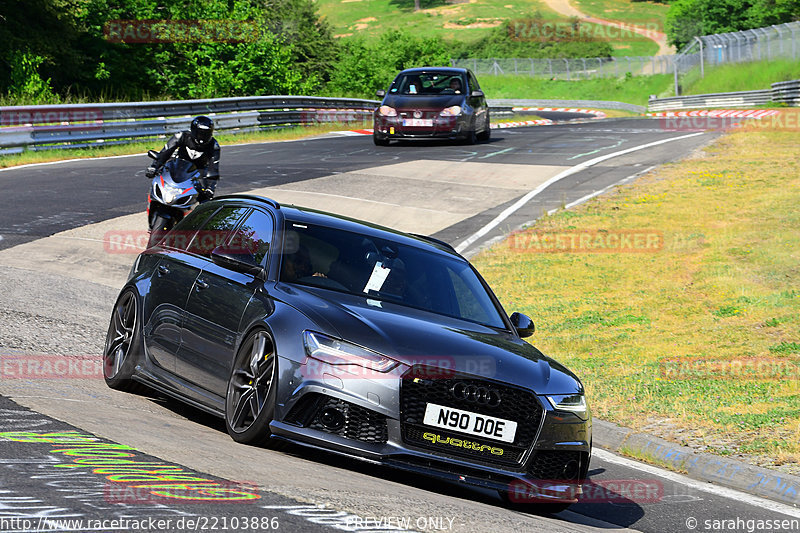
[(202, 130)]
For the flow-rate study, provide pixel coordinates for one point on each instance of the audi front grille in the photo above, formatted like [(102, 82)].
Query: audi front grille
[(421, 385)]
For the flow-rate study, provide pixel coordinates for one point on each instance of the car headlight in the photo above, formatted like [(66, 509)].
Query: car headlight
[(451, 111), (339, 352), (387, 111), (574, 403)]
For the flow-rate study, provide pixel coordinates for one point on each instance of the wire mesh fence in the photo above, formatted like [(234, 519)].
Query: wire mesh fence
[(762, 44), (568, 69)]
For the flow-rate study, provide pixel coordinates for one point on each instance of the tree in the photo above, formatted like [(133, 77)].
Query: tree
[(364, 68), (687, 19)]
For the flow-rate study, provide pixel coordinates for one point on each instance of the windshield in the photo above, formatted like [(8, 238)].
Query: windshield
[(384, 270), (428, 83), (181, 170)]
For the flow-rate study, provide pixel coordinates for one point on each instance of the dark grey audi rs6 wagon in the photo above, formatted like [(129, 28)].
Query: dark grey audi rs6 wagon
[(301, 325)]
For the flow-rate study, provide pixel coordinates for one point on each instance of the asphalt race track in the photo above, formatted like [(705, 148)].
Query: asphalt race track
[(68, 235)]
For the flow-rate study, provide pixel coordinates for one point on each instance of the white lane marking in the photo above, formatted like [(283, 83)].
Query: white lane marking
[(1, 237), (717, 490), (492, 154), (28, 165), (516, 206), (601, 191)]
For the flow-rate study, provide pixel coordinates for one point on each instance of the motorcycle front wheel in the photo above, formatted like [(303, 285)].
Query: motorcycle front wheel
[(161, 225)]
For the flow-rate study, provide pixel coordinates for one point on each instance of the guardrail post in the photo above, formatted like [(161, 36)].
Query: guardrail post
[(702, 59), (677, 87), (550, 62), (568, 74)]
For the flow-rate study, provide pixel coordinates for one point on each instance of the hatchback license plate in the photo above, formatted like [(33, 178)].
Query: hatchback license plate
[(470, 423), (417, 122)]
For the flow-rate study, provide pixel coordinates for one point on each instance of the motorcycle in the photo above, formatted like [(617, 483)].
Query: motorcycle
[(174, 191)]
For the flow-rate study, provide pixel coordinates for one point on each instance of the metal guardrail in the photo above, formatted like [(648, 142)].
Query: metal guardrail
[(82, 125), (598, 104), (786, 92)]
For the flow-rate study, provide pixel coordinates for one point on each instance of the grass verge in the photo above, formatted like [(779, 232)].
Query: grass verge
[(740, 77), (698, 341), (284, 134), (633, 90)]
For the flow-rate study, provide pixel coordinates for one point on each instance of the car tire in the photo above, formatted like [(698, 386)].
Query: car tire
[(471, 137), (380, 141), (486, 134), (161, 225), (123, 343), (252, 389)]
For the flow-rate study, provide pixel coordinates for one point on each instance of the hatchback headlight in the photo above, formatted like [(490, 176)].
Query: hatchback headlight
[(574, 403), (338, 352), (451, 111), (387, 111)]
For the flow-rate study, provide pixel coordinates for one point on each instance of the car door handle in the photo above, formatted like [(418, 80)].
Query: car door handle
[(201, 285), (163, 269)]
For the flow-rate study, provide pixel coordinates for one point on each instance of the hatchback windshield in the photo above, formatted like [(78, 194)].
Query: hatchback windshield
[(428, 83), (384, 270)]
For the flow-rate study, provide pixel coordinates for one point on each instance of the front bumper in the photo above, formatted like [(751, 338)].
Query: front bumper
[(443, 127), (378, 419)]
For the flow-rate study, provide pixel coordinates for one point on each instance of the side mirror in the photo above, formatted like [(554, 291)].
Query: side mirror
[(381, 93), (477, 94), (523, 324), (152, 154), (237, 261)]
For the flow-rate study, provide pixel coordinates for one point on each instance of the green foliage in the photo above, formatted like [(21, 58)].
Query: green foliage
[(689, 18), (366, 67), (513, 40), (290, 53), (26, 83)]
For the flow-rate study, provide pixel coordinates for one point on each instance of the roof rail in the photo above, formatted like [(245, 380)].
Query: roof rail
[(435, 241), (270, 201)]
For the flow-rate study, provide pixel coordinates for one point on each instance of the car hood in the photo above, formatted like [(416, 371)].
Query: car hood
[(399, 101), (413, 336)]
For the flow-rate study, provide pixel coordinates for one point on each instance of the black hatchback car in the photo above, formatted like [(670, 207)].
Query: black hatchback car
[(433, 102), (296, 324)]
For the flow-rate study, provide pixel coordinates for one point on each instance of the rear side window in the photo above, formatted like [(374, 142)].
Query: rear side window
[(253, 237), (216, 230), (185, 230)]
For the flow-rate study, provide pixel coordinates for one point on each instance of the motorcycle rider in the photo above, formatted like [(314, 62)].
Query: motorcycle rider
[(198, 146)]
